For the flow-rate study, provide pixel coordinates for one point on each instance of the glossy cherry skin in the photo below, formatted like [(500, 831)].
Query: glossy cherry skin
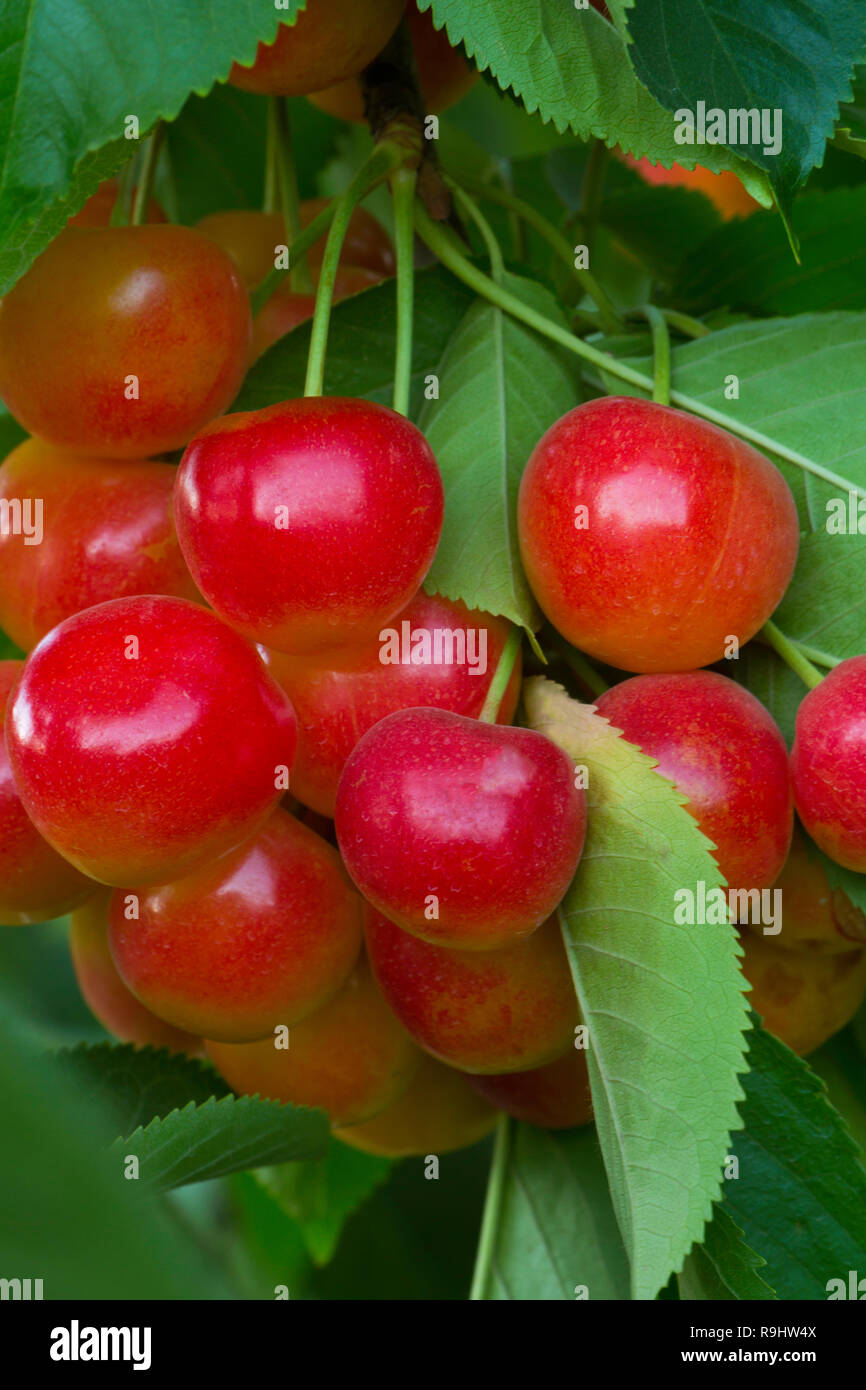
[(100, 205), (724, 190), (815, 916), (36, 884), (803, 997), (725, 753), (828, 763), (287, 308), (480, 1011), (104, 992), (444, 75), (310, 524), (329, 41), (660, 570), (146, 738), (556, 1096), (351, 1057), (107, 532), (440, 1112), (124, 341), (466, 834), (338, 700), (252, 239), (261, 937)]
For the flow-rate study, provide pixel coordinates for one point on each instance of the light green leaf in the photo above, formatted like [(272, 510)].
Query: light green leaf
[(320, 1196)]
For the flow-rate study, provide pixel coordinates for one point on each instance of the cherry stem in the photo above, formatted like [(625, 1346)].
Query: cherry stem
[(610, 319), (492, 1211), (270, 196), (473, 211), (146, 176), (444, 245), (386, 158), (287, 184), (684, 323), (661, 353), (580, 665), (308, 237), (791, 654), (403, 194), (815, 654), (122, 210), (501, 676)]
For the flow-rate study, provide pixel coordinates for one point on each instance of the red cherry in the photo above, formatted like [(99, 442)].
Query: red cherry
[(287, 308), (725, 753), (124, 341), (36, 885), (329, 40), (310, 524), (466, 834), (480, 1011), (107, 532), (339, 700), (639, 526), (146, 737), (251, 239), (261, 938), (828, 764), (556, 1096)]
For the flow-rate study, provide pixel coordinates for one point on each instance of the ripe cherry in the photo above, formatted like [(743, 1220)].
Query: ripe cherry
[(803, 997), (815, 917), (828, 763), (287, 308), (436, 653), (261, 937), (310, 524), (466, 834), (146, 738), (725, 753), (104, 992), (556, 1096), (252, 239), (639, 526), (351, 1057), (329, 41), (106, 530), (36, 884), (480, 1011), (439, 1112), (124, 341), (444, 75)]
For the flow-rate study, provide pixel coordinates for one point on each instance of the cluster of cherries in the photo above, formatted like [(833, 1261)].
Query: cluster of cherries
[(335, 873)]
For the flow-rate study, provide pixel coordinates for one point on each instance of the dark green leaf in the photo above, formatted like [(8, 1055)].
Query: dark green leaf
[(137, 1084), (723, 1266)]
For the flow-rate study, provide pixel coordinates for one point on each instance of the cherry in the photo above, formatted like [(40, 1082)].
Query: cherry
[(310, 524), (36, 885), (724, 190), (725, 753), (124, 341), (439, 1112), (828, 763), (466, 834), (555, 1096), (145, 738), (639, 526), (103, 990), (262, 937), (480, 1011), (252, 238), (804, 997), (815, 917), (100, 205), (329, 41), (286, 308), (444, 75), (107, 530), (351, 1057), (445, 659)]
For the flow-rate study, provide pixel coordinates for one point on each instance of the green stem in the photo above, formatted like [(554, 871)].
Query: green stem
[(147, 173), (661, 353), (271, 196), (122, 210), (309, 236), (403, 194), (287, 184), (684, 323), (815, 654), (581, 666), (386, 158), (502, 675), (492, 1209), (494, 251), (790, 653), (444, 246), (610, 319)]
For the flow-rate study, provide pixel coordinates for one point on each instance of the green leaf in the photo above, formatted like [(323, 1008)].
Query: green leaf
[(11, 433), (829, 566), (663, 1002), (70, 76), (794, 56), (360, 360), (723, 1266), (488, 418), (841, 1065), (139, 1083), (557, 1231), (572, 67), (764, 673), (800, 1196), (320, 1196), (219, 1137)]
